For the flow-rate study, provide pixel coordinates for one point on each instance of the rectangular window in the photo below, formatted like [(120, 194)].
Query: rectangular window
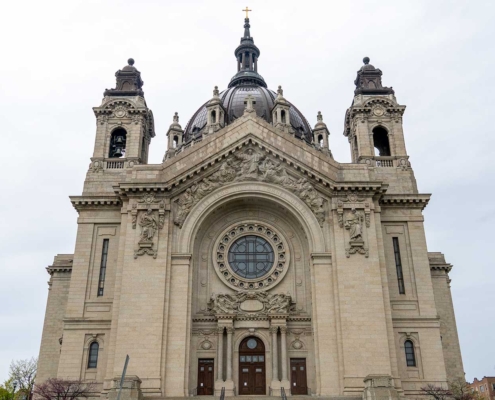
[(493, 386), (398, 266), (103, 267), (482, 388)]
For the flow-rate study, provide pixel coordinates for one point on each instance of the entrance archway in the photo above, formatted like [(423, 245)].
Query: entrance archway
[(252, 371)]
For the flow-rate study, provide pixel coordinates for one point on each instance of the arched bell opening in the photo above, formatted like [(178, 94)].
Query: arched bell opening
[(283, 117), (117, 143), (381, 142)]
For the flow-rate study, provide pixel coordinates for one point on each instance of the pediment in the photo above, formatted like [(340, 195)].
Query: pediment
[(249, 150)]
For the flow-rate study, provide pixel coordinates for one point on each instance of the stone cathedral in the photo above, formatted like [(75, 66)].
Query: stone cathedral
[(250, 261)]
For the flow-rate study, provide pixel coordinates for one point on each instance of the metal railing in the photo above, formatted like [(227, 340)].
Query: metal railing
[(222, 394), (115, 164), (282, 394)]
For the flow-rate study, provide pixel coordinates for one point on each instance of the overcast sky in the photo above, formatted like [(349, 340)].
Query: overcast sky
[(59, 56)]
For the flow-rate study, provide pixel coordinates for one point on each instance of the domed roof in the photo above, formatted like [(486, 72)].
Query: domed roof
[(233, 102), (246, 82)]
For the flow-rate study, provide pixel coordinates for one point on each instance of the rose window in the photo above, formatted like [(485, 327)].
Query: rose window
[(251, 256)]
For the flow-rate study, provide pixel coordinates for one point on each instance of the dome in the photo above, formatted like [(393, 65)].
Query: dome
[(233, 102), (246, 82)]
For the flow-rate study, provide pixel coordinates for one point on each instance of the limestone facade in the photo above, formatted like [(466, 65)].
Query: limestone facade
[(348, 292)]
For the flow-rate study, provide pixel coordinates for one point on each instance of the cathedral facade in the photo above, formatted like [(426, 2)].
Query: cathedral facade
[(250, 261)]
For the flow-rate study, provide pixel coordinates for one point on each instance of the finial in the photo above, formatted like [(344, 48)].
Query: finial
[(176, 117), (247, 12), (215, 91), (130, 61), (319, 117), (280, 91), (366, 60)]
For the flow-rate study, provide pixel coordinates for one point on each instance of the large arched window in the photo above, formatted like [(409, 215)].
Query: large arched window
[(117, 143), (380, 142), (93, 355), (410, 356)]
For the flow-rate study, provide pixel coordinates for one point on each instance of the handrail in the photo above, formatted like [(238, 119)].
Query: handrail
[(282, 394), (222, 394)]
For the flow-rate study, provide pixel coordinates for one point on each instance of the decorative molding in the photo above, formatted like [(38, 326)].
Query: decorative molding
[(405, 200), (250, 165), (231, 305)]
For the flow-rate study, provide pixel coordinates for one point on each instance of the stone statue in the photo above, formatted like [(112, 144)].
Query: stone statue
[(354, 223), (149, 225)]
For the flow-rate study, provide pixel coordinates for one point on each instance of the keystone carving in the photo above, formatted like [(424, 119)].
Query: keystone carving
[(233, 303), (250, 166)]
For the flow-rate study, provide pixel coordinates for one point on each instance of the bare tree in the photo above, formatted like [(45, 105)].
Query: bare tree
[(462, 391), (437, 392), (22, 374), (63, 389)]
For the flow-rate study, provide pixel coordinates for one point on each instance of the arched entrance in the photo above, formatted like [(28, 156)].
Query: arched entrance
[(252, 379)]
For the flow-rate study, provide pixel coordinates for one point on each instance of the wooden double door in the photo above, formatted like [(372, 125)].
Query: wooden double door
[(298, 377), (252, 371), (206, 377)]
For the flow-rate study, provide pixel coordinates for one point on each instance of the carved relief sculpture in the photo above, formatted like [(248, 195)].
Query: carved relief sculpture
[(269, 304), (250, 166), (354, 224)]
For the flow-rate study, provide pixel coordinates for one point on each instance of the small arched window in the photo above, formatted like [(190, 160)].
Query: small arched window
[(93, 355), (213, 117), (380, 141), (117, 143), (410, 356), (282, 116)]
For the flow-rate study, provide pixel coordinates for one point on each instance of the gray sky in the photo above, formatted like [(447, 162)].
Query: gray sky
[(59, 56)]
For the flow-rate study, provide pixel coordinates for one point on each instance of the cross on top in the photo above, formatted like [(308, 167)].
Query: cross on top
[(249, 101), (247, 11)]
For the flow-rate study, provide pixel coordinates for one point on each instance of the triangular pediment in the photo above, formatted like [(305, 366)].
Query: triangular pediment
[(250, 150)]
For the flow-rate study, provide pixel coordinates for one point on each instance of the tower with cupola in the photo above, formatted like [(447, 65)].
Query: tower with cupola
[(125, 124)]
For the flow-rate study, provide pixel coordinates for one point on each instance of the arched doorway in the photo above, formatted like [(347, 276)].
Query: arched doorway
[(252, 370)]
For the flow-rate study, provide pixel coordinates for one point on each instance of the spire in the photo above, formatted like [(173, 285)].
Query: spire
[(247, 55), (247, 34)]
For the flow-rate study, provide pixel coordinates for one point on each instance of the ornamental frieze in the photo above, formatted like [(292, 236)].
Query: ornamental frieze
[(253, 304), (250, 166)]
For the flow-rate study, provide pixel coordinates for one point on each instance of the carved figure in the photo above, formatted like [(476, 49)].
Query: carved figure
[(249, 166), (149, 225), (354, 223)]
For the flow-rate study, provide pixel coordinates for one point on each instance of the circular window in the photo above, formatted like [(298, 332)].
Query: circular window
[(252, 343), (251, 257)]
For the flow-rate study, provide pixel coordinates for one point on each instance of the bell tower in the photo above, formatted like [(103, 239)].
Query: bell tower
[(125, 124), (373, 123)]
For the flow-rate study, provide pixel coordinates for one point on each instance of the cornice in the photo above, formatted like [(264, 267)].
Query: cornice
[(89, 202), (185, 179), (405, 200)]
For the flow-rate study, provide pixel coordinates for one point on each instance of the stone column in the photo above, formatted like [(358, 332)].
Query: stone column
[(283, 331), (273, 330), (243, 61), (230, 331), (255, 64), (220, 354)]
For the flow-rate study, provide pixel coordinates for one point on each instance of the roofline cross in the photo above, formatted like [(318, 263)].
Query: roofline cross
[(247, 12)]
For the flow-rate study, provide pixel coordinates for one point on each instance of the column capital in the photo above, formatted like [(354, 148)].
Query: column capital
[(220, 330), (283, 329), (273, 329), (230, 330)]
